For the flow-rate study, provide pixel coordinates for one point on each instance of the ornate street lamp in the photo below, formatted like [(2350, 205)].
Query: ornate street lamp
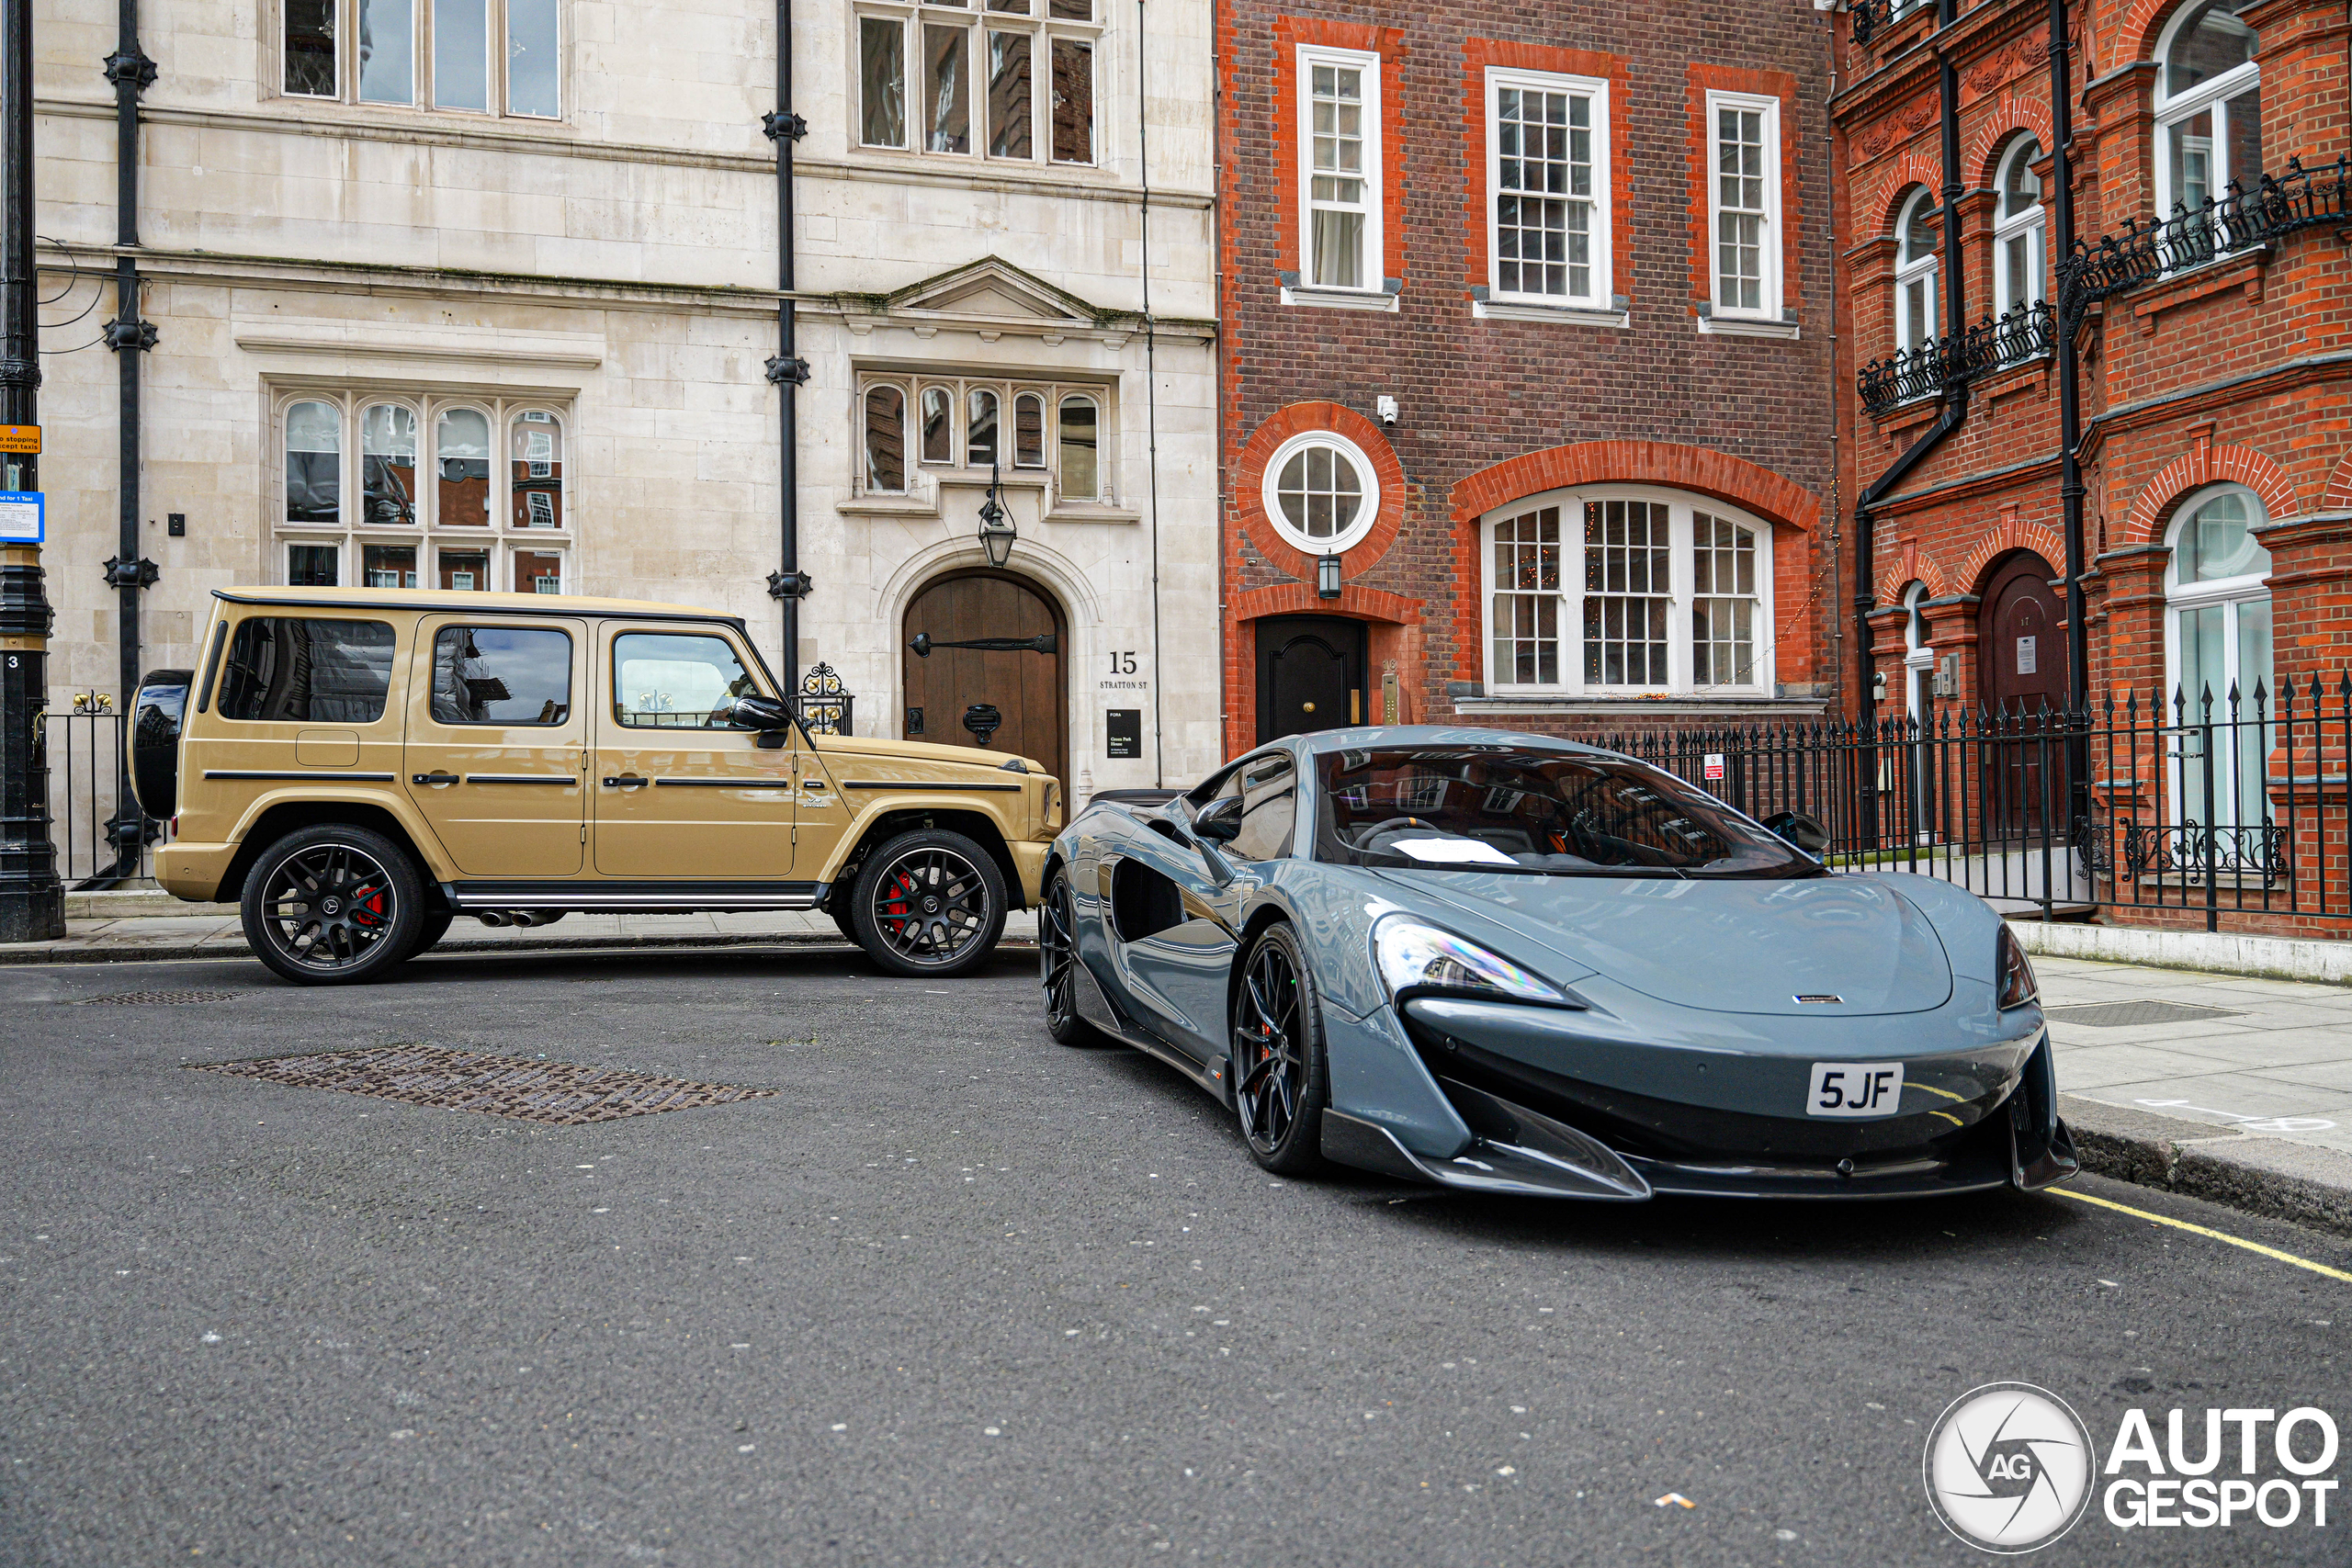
[(1326, 578), (997, 531)]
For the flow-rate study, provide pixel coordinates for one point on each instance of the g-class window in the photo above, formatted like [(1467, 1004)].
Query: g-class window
[(512, 675), (665, 680), (308, 669)]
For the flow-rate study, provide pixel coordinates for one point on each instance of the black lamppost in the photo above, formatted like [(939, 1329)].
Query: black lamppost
[(32, 901), (997, 531)]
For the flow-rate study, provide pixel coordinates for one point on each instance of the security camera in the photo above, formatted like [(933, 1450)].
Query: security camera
[(1387, 407)]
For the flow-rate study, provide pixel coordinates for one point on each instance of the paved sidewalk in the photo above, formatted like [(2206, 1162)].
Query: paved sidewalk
[(2269, 1057)]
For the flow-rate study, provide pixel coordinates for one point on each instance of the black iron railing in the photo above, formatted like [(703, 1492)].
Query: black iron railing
[(2208, 805), (102, 838), (2019, 333), (827, 706), (2276, 205), (1873, 17)]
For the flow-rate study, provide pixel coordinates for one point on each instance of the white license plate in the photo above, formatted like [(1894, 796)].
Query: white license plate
[(1854, 1088)]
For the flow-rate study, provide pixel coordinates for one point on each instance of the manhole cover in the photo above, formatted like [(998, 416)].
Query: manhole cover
[(162, 998), (562, 1092), (2123, 1015)]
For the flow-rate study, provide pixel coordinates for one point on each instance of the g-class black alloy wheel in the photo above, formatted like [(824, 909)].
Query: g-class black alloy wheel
[(928, 902), (333, 904)]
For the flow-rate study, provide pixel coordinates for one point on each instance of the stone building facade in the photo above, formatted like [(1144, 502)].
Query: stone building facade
[(482, 293), (2215, 528), (1527, 318)]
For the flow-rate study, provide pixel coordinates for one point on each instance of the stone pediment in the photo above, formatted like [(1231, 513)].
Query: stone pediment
[(988, 293)]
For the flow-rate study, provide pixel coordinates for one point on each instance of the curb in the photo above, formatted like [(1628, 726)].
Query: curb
[(2326, 962), (2303, 1183), (174, 951)]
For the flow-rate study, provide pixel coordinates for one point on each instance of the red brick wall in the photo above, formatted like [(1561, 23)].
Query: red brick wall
[(1474, 394)]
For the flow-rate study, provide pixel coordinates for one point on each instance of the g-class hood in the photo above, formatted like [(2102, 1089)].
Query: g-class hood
[(861, 747), (1724, 946)]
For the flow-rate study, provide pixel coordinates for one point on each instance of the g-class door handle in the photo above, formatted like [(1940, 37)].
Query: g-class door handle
[(436, 777), (626, 781)]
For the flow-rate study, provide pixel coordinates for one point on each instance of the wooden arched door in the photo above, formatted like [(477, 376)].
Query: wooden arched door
[(1025, 685), (2021, 666)]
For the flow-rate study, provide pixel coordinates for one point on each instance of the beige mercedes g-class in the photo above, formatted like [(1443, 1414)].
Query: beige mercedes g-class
[(359, 767)]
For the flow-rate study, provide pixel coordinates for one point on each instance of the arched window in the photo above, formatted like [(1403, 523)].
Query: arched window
[(1918, 658), (1614, 588), (2218, 636), (886, 439), (1915, 272), (1320, 492), (537, 452), (1081, 433), (2209, 106), (461, 464), (387, 466), (938, 425), (979, 430), (2017, 227), (1029, 431), (314, 463)]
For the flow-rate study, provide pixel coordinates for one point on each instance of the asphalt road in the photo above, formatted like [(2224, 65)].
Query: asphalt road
[(956, 1295)]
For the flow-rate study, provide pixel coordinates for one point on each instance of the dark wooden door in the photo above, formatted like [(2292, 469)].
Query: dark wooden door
[(1310, 675), (2021, 664), (1025, 687)]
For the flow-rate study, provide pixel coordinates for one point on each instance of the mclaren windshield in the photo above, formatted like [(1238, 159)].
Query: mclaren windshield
[(1525, 809)]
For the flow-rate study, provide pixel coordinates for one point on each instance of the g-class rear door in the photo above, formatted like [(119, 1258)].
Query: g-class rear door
[(497, 748)]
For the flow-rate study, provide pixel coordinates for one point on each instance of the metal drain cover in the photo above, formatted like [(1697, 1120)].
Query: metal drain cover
[(527, 1089), (161, 999), (2124, 1015)]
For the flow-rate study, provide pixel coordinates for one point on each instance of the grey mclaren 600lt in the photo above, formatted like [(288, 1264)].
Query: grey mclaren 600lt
[(1517, 965)]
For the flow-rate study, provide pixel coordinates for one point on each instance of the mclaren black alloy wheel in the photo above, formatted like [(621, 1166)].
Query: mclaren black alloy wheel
[(1058, 964), (1280, 1080), (928, 902), (334, 905)]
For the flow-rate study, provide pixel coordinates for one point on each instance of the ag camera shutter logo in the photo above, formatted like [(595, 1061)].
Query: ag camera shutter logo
[(2009, 1468)]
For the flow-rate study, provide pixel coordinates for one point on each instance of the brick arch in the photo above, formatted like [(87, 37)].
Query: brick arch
[(1911, 566), (2018, 117), (2202, 464), (1300, 419), (2339, 487), (2143, 20), (1770, 496), (1913, 168), (2009, 535)]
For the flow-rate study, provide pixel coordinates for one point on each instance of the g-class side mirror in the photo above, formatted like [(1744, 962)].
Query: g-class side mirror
[(766, 715), (1799, 829), (1219, 822)]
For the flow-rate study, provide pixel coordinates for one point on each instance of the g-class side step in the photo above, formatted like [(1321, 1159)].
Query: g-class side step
[(636, 898)]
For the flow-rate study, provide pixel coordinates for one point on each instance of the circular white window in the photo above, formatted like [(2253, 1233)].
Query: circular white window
[(1320, 492)]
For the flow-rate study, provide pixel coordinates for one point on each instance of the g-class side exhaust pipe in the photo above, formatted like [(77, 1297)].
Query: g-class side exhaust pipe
[(520, 917)]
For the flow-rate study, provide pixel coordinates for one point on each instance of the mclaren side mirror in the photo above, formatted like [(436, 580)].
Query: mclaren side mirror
[(1799, 829), (1219, 822)]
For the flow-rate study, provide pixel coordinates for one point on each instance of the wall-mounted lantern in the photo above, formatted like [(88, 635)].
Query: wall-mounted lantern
[(997, 531), (1326, 578)]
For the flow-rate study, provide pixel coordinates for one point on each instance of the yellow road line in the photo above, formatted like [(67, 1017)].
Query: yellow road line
[(2201, 1229)]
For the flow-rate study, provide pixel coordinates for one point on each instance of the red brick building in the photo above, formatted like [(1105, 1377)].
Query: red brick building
[(1528, 365), (2205, 325)]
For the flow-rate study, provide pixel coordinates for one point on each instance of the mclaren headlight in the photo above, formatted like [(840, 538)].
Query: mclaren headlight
[(1414, 958), (2012, 973)]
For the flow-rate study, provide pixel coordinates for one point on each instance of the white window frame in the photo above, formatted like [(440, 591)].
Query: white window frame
[(1771, 290), (1367, 513), (500, 537), (1681, 578), (1376, 174), (1918, 656), (2032, 221), (1602, 272), (2210, 94), (978, 19), (2228, 594), (1907, 273), (499, 83)]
